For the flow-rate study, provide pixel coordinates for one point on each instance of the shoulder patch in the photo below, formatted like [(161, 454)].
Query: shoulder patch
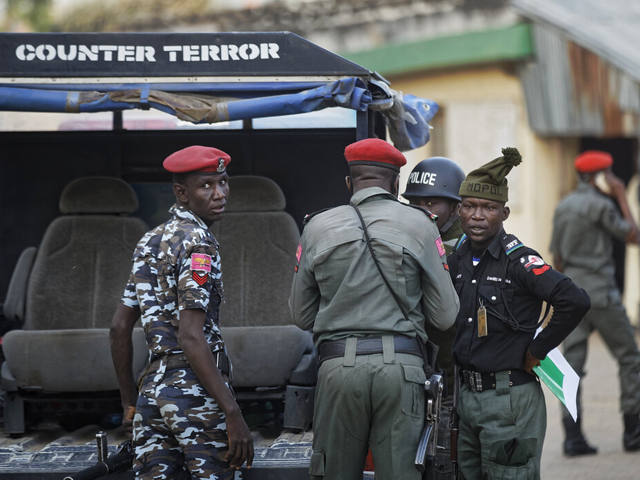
[(534, 263), (510, 244), (298, 256), (440, 245), (309, 216), (432, 216)]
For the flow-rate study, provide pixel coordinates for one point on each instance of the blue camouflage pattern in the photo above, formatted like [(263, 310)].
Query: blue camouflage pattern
[(161, 282), (179, 430)]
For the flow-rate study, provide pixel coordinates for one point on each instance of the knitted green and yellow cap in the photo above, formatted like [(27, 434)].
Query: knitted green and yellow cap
[(489, 181)]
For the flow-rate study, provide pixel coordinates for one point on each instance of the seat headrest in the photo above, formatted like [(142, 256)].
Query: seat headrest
[(254, 194), (98, 195)]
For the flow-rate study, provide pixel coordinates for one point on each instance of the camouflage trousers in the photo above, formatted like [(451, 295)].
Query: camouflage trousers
[(179, 432)]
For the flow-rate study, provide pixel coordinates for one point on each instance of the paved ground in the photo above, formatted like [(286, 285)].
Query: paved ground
[(602, 425)]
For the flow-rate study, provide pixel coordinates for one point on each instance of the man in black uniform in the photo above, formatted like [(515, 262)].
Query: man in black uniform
[(502, 285)]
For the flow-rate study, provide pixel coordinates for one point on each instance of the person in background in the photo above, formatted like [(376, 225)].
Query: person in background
[(584, 226)]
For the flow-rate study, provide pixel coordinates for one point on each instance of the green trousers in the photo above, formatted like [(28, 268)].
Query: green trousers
[(502, 431), (368, 401)]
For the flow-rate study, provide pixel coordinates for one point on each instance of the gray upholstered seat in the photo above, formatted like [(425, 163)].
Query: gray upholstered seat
[(258, 243), (67, 301)]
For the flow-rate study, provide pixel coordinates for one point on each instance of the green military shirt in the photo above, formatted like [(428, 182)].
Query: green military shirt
[(584, 226), (337, 290)]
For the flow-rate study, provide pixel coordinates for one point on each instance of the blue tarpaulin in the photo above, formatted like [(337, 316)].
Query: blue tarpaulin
[(406, 116)]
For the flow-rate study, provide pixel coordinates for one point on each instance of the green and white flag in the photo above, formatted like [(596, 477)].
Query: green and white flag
[(556, 373)]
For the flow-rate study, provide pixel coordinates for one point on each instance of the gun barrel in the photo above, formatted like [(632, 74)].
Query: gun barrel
[(95, 471)]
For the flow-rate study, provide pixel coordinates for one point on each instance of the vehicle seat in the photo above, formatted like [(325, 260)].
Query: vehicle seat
[(67, 302), (258, 242)]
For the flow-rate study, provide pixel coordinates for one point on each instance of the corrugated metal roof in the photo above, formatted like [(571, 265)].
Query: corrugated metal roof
[(609, 28), (586, 76)]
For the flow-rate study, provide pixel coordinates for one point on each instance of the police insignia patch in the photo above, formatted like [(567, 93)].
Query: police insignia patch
[(200, 278), (535, 264), (201, 262), (298, 256), (440, 246)]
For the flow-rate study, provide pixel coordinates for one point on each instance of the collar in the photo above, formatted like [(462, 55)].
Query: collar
[(364, 195), (185, 214), (586, 187), (494, 247)]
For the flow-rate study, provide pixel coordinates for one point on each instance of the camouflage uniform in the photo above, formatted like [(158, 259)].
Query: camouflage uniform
[(179, 430)]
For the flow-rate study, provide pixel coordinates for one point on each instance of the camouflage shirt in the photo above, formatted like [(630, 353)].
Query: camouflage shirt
[(176, 266)]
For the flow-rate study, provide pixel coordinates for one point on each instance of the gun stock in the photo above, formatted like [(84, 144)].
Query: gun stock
[(121, 460), (429, 438)]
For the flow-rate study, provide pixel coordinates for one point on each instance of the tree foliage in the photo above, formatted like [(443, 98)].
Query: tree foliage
[(33, 14), (131, 15)]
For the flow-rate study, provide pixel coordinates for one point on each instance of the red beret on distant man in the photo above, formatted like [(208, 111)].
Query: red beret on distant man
[(593, 161), (197, 159), (375, 152)]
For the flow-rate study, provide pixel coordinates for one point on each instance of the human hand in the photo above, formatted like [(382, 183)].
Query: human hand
[(615, 184), (529, 362), (240, 441), (127, 419)]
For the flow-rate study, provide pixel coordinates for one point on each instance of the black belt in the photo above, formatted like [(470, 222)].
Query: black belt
[(479, 382), (180, 361), (368, 346)]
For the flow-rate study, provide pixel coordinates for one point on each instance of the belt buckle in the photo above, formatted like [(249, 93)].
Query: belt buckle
[(477, 380)]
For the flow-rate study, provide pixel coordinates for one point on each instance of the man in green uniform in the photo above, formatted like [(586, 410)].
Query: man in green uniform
[(370, 391), (584, 226), (502, 285), (434, 184)]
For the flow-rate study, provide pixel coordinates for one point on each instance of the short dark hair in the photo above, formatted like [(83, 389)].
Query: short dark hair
[(369, 172), (181, 178)]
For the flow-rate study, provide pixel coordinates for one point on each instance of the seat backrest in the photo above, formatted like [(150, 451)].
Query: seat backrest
[(258, 243), (84, 260)]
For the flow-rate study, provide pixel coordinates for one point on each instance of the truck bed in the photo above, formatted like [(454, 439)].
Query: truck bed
[(50, 452)]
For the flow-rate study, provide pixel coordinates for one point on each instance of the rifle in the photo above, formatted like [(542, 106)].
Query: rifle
[(454, 423), (424, 461), (121, 460)]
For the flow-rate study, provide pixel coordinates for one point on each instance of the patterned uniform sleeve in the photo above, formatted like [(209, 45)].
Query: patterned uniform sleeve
[(198, 272), (129, 297)]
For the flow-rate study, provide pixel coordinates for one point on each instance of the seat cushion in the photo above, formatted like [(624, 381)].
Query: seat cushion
[(68, 360), (80, 271), (265, 356)]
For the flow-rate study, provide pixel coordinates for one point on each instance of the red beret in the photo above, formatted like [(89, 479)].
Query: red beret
[(593, 161), (197, 159), (373, 151)]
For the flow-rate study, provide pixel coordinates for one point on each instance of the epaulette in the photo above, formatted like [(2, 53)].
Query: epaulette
[(459, 243), (511, 244), (432, 216), (309, 216)]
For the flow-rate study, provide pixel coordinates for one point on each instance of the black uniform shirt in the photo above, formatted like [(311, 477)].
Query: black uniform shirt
[(510, 271)]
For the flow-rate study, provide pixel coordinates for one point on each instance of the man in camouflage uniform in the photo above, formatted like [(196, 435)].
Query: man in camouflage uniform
[(187, 423)]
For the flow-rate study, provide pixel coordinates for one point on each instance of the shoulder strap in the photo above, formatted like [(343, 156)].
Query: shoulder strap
[(429, 351), (309, 216), (432, 216)]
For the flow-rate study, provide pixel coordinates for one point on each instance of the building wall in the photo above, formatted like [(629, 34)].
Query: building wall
[(482, 111)]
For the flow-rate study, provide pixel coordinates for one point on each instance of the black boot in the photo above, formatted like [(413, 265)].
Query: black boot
[(631, 437), (575, 444)]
